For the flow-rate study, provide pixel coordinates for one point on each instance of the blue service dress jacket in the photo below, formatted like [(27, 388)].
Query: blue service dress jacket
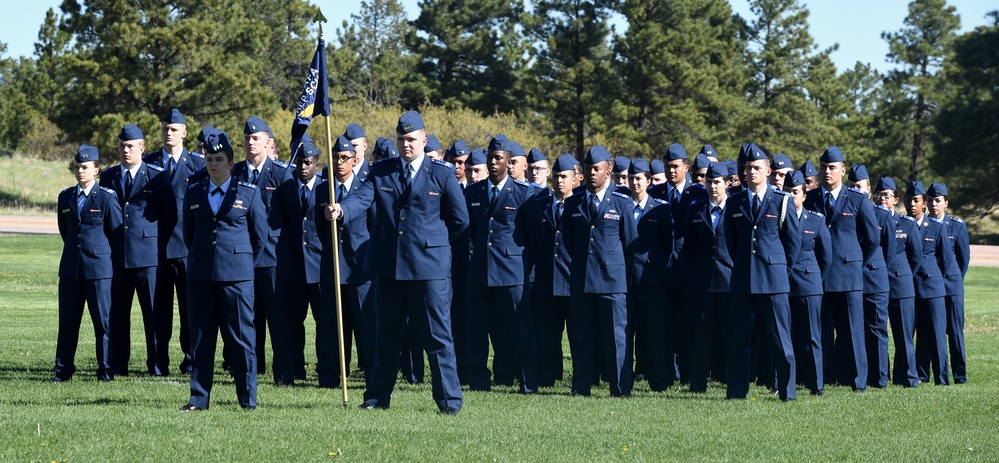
[(148, 211), (272, 175), (928, 277), (415, 224), (761, 264), (224, 246), (598, 244), (299, 247), (853, 228), (814, 258), (353, 237), (172, 242), (551, 269), (651, 252), (92, 229), (504, 239), (957, 268), (706, 263), (906, 261)]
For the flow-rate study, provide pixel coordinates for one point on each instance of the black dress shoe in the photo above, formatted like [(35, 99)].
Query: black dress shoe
[(372, 406), (283, 383), (105, 379), (817, 393), (249, 408), (191, 408), (576, 393), (59, 379), (450, 411)]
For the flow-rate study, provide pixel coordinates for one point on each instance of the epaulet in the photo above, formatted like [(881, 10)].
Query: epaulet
[(774, 187), (780, 192), (382, 160), (856, 191), (68, 189), (957, 220), (280, 163), (442, 163), (196, 184), (659, 201), (883, 208), (536, 185), (696, 202), (248, 185), (156, 168), (108, 190), (936, 220), (196, 154), (910, 219), (618, 193), (817, 214), (695, 185), (516, 182)]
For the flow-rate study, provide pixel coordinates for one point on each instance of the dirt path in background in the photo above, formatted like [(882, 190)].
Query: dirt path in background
[(981, 255)]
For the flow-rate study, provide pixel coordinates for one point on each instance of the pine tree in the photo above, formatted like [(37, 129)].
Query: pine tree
[(919, 48)]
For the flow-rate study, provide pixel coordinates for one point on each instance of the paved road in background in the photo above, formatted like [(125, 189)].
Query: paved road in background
[(981, 256)]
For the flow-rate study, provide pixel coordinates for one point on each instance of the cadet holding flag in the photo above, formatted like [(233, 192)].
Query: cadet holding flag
[(599, 228), (89, 221), (418, 210)]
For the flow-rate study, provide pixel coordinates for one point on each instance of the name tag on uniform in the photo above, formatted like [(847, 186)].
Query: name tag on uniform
[(698, 220), (476, 204), (737, 214), (95, 210), (433, 193), (195, 206), (612, 217), (147, 191), (847, 213), (386, 188), (577, 214), (927, 239), (65, 210), (269, 188), (509, 208), (323, 204), (901, 235), (770, 216), (809, 232)]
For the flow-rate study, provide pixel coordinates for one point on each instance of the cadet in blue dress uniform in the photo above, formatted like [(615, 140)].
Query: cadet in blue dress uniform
[(619, 173), (225, 226), (299, 251), (658, 171), (901, 295), (458, 155), (598, 230), (434, 149), (504, 228), (931, 310), (90, 222), (699, 169), (781, 168), (806, 287), (267, 175), (876, 287), (811, 175), (179, 165), (538, 171), (957, 268), (853, 227), (647, 260), (148, 208), (551, 301), (707, 271), (418, 210), (356, 298), (763, 239)]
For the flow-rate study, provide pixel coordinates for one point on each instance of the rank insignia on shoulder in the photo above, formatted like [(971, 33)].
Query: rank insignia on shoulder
[(443, 163), (696, 202), (622, 195), (196, 154), (155, 167), (957, 220), (109, 191), (910, 219), (659, 201), (936, 220), (281, 164), (817, 214), (248, 185)]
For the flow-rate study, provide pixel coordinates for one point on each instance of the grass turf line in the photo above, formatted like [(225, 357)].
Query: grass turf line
[(135, 418)]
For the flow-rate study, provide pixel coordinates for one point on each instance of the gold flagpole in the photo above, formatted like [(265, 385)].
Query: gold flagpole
[(320, 19)]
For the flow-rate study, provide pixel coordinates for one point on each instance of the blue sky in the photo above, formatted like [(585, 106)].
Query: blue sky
[(855, 24)]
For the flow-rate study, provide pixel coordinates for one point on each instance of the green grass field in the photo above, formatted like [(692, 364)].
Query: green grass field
[(136, 418)]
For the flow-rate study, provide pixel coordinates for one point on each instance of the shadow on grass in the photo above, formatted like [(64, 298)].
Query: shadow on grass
[(10, 200)]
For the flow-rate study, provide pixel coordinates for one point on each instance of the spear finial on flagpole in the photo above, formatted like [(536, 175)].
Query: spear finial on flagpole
[(319, 19)]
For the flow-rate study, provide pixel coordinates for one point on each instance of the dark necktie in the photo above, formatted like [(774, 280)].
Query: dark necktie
[(674, 198), (830, 205), (171, 166), (493, 198), (82, 198), (305, 197), (128, 183), (756, 206), (254, 176), (558, 212), (594, 202), (341, 192), (407, 176)]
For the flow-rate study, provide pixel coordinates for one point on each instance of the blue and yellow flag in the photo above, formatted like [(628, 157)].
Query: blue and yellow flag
[(315, 98)]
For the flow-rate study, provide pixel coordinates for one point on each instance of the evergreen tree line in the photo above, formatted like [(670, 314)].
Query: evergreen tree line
[(682, 71)]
